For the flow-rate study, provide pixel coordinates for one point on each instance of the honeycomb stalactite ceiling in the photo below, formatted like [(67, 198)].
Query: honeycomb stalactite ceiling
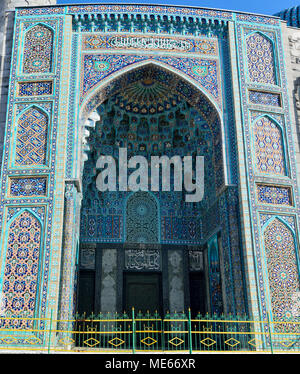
[(151, 118), (176, 86), (174, 127), (146, 97)]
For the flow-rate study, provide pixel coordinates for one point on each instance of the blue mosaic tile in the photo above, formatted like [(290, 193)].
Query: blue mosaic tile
[(35, 186), (35, 88), (274, 195), (264, 98)]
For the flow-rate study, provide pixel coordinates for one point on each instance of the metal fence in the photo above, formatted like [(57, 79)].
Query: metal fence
[(131, 333)]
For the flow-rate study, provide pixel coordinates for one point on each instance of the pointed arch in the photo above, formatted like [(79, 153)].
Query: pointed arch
[(25, 209), (262, 34), (171, 77), (31, 137), (261, 58), (282, 270), (35, 106), (176, 81), (20, 279), (42, 24), (269, 146), (213, 254), (269, 221), (38, 49), (214, 271), (142, 218)]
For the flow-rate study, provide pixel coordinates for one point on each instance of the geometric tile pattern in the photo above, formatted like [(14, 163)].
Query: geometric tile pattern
[(268, 147), (274, 195), (43, 105), (264, 98), (256, 278), (260, 59), (32, 138), (215, 276), (130, 119), (21, 268), (37, 210), (36, 186), (290, 15), (282, 271), (38, 50), (37, 59), (97, 67), (35, 88), (141, 218)]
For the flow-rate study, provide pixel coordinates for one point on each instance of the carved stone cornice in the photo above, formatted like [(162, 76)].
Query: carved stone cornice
[(294, 44)]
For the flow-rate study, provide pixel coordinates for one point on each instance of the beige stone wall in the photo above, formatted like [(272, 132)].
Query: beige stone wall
[(291, 42), (7, 8)]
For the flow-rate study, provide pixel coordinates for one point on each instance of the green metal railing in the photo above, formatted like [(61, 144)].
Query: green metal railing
[(137, 332)]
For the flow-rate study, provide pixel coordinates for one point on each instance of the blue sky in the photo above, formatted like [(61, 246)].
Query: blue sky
[(253, 6)]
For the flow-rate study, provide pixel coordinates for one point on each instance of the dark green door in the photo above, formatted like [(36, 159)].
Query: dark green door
[(197, 294), (86, 294), (143, 292)]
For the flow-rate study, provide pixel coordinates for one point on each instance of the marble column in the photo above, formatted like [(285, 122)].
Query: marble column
[(176, 280), (109, 280)]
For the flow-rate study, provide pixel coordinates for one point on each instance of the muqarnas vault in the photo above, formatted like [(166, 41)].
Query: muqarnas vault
[(86, 80)]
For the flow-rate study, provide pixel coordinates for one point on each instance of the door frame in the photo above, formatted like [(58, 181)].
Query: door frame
[(160, 280)]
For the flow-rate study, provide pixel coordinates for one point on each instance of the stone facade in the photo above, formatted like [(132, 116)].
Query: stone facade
[(83, 84), (291, 38)]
